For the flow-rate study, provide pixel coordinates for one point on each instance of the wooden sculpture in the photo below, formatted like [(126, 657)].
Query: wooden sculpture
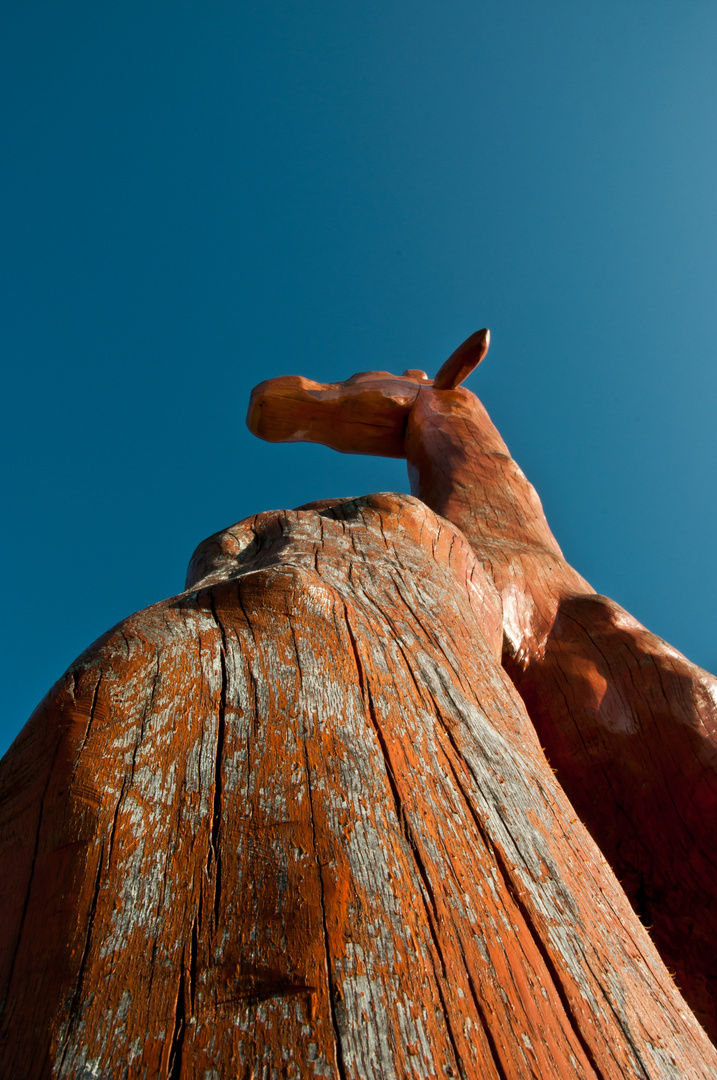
[(297, 821)]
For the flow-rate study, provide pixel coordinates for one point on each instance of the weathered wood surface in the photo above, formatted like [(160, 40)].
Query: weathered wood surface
[(629, 724), (296, 822)]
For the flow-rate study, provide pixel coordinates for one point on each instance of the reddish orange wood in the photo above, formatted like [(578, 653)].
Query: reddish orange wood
[(366, 414), (298, 817), (629, 724), (297, 821), (463, 361)]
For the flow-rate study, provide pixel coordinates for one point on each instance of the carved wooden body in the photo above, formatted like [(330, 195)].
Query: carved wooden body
[(629, 724), (297, 822)]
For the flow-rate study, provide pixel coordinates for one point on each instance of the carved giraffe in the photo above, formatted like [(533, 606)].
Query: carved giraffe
[(628, 723), (296, 821)]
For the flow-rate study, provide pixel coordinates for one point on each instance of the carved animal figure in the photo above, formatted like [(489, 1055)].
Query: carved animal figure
[(628, 723), (296, 821)]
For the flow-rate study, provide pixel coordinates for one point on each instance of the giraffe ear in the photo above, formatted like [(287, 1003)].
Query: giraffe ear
[(459, 364)]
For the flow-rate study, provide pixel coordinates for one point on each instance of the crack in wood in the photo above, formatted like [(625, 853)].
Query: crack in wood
[(432, 911), (330, 984), (74, 1007), (174, 1070), (214, 850)]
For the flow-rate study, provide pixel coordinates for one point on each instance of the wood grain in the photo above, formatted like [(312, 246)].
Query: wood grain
[(296, 822), (629, 724)]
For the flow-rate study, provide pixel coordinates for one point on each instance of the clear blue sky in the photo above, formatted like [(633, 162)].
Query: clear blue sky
[(200, 195)]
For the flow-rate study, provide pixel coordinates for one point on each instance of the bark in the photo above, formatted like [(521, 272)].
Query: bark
[(297, 822)]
